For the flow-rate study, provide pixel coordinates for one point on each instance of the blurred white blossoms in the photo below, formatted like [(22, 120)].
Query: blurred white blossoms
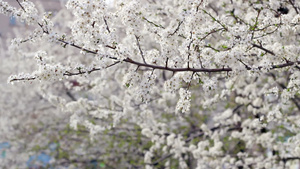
[(184, 102)]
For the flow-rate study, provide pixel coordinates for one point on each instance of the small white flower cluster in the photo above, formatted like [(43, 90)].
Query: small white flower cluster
[(184, 102), (131, 78), (272, 93), (122, 52), (225, 118), (172, 84), (178, 145), (152, 56), (29, 14), (209, 84), (74, 119), (275, 115), (48, 72), (145, 86), (6, 9), (131, 14)]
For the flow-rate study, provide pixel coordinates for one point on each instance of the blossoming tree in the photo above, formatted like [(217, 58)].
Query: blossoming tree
[(174, 84)]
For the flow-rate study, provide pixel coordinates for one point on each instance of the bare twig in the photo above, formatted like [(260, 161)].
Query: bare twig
[(293, 4), (21, 5), (140, 49), (189, 48), (262, 48), (176, 30), (156, 25), (68, 73), (107, 28)]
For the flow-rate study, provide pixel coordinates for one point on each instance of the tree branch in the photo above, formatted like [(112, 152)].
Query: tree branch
[(21, 5), (107, 28), (140, 49), (293, 4), (176, 30), (262, 48)]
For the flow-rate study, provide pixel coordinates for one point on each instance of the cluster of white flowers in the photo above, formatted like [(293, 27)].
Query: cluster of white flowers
[(184, 102), (145, 86), (198, 84), (27, 13), (48, 71), (6, 9), (172, 84)]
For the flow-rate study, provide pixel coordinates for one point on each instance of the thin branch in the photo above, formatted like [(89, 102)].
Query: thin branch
[(262, 48), (247, 67), (140, 49), (290, 158), (90, 71), (71, 95), (189, 48), (167, 60), (216, 20), (174, 70), (67, 73), (190, 82), (176, 30), (107, 28), (156, 25), (21, 5), (209, 46), (161, 159), (238, 19), (293, 4), (211, 32), (255, 24), (198, 6)]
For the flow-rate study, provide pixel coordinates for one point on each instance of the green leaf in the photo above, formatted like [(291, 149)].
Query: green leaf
[(224, 46), (102, 165)]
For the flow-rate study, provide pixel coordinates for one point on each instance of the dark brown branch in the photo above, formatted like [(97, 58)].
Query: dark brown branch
[(68, 73), (262, 48), (190, 82), (174, 70), (293, 4), (216, 20), (22, 79), (156, 25), (71, 95), (198, 6), (247, 67), (107, 28), (189, 48), (139, 64), (255, 24), (211, 32), (161, 159), (176, 30), (90, 71), (21, 5), (140, 49), (128, 60), (290, 158), (209, 46)]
